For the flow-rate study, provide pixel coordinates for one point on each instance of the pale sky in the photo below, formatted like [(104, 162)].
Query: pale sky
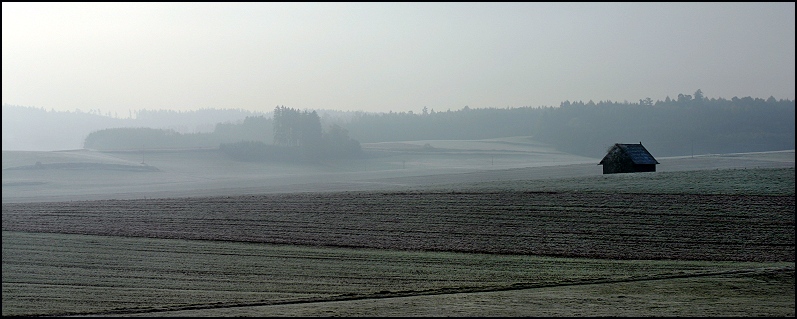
[(380, 57)]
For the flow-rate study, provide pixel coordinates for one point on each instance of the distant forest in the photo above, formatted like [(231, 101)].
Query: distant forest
[(688, 124)]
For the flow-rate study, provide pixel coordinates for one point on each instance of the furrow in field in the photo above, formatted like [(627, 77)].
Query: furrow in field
[(594, 225)]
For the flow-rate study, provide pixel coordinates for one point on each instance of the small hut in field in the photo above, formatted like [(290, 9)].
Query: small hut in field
[(628, 158)]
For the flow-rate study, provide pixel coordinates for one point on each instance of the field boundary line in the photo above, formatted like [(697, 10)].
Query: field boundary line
[(440, 291)]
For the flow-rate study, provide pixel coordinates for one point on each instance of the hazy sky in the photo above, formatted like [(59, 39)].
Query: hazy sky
[(389, 56)]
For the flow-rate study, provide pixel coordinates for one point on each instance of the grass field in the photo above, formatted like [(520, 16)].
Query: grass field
[(474, 240)]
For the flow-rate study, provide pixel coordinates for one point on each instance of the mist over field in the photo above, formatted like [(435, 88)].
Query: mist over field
[(84, 174), (291, 150)]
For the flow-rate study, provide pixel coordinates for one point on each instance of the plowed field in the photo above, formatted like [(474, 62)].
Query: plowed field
[(592, 225)]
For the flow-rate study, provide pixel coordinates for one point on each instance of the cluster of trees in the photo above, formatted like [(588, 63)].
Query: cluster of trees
[(290, 135), (302, 130), (297, 129)]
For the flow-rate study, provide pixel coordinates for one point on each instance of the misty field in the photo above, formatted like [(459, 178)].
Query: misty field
[(707, 242), (192, 173)]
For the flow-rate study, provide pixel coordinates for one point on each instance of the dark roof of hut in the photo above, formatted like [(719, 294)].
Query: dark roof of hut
[(636, 152)]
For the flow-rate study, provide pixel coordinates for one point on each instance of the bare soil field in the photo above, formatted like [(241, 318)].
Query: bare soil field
[(589, 225), (764, 294)]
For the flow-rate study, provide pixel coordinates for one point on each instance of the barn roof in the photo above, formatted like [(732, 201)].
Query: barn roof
[(636, 152)]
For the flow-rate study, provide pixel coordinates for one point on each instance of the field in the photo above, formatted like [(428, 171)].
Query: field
[(63, 274), (486, 236), (591, 225)]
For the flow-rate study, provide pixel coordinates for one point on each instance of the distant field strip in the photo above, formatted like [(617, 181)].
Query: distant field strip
[(763, 181), (589, 225), (66, 274)]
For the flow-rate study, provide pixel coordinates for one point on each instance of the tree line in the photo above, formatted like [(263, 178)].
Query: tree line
[(687, 124), (252, 128)]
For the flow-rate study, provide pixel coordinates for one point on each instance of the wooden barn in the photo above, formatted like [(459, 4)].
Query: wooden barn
[(628, 158)]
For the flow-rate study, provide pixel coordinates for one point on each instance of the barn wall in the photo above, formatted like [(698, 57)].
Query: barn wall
[(645, 168), (613, 168), (621, 165)]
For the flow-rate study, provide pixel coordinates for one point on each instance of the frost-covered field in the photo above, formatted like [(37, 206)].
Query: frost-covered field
[(731, 181), (67, 274), (638, 222), (501, 231)]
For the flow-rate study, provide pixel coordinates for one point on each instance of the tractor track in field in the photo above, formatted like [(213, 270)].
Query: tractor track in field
[(440, 291)]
